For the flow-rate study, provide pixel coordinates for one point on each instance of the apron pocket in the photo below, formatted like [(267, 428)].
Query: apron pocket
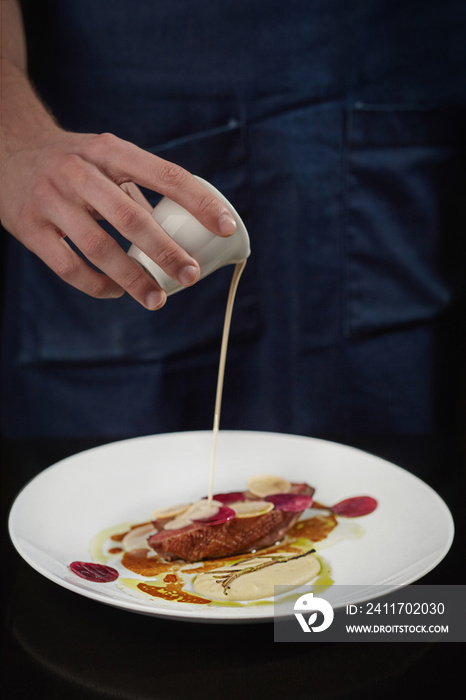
[(60, 324), (402, 245)]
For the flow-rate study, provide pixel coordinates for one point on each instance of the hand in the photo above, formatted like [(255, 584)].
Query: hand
[(54, 189)]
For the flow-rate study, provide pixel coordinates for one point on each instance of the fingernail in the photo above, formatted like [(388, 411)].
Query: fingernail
[(188, 275), (155, 299), (227, 223)]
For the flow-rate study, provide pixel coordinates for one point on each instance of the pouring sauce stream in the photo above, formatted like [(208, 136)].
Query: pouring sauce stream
[(239, 267)]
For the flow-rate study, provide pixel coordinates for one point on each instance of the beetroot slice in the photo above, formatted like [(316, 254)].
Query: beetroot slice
[(94, 572), (224, 513), (290, 502), (355, 507), (232, 497)]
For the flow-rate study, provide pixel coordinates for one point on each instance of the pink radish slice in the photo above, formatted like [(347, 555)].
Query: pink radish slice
[(290, 502), (355, 507), (94, 572), (233, 497), (224, 513)]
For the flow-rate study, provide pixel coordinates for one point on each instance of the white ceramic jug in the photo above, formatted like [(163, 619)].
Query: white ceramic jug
[(210, 251)]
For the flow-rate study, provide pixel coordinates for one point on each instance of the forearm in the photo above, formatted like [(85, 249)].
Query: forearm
[(24, 119), (13, 45)]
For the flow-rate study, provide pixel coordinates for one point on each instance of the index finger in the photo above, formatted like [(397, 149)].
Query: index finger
[(125, 162)]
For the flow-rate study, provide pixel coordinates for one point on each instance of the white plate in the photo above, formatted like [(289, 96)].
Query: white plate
[(57, 514)]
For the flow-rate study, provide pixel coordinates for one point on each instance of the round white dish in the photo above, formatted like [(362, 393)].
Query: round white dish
[(56, 515)]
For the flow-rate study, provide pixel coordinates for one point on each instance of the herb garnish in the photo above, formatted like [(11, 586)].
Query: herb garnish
[(226, 578)]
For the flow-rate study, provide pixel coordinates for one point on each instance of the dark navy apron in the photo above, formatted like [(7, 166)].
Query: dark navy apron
[(337, 128)]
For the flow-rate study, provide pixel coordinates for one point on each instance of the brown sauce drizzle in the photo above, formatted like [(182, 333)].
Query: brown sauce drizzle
[(314, 529), (141, 563), (173, 591), (119, 537)]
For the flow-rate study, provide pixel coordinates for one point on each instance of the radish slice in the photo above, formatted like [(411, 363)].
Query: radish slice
[(290, 502), (267, 485), (94, 572), (251, 509), (137, 537), (223, 514), (355, 507), (232, 497), (170, 512)]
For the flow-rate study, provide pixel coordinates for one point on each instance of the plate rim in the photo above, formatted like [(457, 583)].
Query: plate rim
[(256, 615)]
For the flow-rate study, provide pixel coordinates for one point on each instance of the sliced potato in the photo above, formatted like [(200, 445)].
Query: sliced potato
[(137, 537), (171, 511), (267, 485), (250, 509)]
